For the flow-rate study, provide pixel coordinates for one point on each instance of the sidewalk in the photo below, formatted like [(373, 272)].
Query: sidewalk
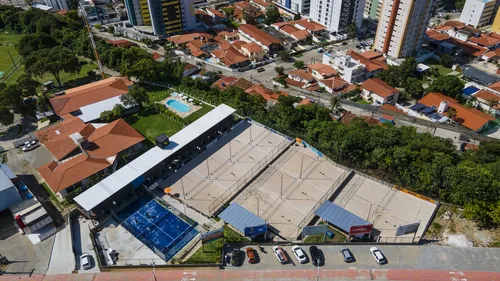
[(62, 260)]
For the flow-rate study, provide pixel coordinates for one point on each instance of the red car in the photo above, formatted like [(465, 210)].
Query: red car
[(251, 255)]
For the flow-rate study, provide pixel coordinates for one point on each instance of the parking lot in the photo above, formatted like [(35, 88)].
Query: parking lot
[(398, 257)]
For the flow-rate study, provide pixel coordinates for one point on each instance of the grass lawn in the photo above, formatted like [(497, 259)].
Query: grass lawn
[(157, 94), (65, 77), (318, 238), (152, 125), (434, 63), (197, 114), (299, 55), (362, 101), (8, 39)]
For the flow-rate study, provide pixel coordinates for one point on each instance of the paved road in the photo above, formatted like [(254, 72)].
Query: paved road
[(188, 274), (62, 260), (399, 257), (83, 244)]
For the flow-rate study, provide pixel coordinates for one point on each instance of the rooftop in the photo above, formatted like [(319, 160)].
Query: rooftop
[(323, 69), (75, 98), (216, 12), (230, 56), (472, 118), (224, 82), (302, 74), (252, 47), (438, 36), (310, 24), (335, 83), (370, 64), (379, 87), (259, 35), (124, 176), (184, 38), (484, 40)]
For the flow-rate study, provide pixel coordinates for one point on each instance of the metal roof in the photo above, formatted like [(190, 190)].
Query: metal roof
[(93, 111), (480, 76), (124, 176), (338, 216), (239, 217), (5, 178)]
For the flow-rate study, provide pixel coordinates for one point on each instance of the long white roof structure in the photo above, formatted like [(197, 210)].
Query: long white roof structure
[(124, 176)]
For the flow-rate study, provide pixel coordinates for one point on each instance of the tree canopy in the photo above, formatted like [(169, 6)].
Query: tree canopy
[(449, 85)]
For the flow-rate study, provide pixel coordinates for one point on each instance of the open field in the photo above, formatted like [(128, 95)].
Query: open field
[(153, 125), (434, 63), (209, 179)]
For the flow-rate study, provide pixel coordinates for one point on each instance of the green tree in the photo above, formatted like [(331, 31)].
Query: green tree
[(53, 61), (43, 103), (27, 85), (335, 104), (413, 88), (452, 113), (111, 29), (136, 96), (279, 70), (449, 85), (228, 11), (352, 30), (283, 55), (299, 64), (272, 15), (32, 43), (106, 115), (297, 17), (6, 116), (447, 60)]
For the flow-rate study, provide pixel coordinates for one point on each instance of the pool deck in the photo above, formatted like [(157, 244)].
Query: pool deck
[(192, 108)]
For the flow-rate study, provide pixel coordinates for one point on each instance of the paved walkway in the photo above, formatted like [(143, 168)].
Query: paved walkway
[(62, 260), (269, 275)]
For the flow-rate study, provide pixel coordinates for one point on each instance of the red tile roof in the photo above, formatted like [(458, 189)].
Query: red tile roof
[(243, 84), (304, 75), (91, 93), (486, 96), (305, 101), (391, 108), (224, 82), (371, 65), (259, 35), (252, 47), (262, 3), (335, 83), (62, 12), (323, 69), (310, 25), (471, 49), (438, 36), (104, 142), (484, 40), (492, 54), (194, 48), (472, 118), (157, 56), (122, 43), (217, 13), (371, 55), (388, 117), (379, 87), (184, 38), (230, 56), (495, 86), (259, 89), (348, 117), (294, 83)]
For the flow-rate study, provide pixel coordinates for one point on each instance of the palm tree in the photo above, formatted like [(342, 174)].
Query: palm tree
[(452, 113), (492, 103), (335, 104)]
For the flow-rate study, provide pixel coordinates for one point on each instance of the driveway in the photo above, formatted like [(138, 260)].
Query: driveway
[(83, 244), (63, 259), (39, 156), (399, 257)]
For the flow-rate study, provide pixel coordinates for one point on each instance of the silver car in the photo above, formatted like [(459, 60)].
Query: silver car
[(86, 261)]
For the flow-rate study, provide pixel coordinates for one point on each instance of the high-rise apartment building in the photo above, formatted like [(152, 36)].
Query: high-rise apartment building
[(336, 15), (402, 26), (299, 6), (496, 22), (164, 16), (373, 9), (477, 13)]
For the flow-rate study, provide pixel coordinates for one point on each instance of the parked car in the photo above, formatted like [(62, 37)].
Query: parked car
[(280, 254), (30, 145), (236, 257), (260, 69), (299, 254), (86, 261), (377, 255), (346, 254), (316, 257), (251, 255), (344, 43)]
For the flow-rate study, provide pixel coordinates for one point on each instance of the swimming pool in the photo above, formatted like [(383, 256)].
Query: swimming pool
[(469, 90), (179, 106)]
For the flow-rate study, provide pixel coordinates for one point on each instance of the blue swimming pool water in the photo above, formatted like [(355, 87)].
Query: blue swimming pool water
[(158, 228), (179, 106), (469, 90)]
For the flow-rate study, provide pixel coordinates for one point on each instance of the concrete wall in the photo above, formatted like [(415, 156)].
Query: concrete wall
[(8, 197)]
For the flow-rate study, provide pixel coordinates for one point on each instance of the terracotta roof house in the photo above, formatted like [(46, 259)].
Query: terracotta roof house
[(379, 92), (231, 57), (228, 35), (268, 95), (209, 21), (158, 57), (189, 69), (253, 51), (270, 43), (261, 4), (243, 84), (122, 43), (492, 55), (82, 150), (487, 41), (348, 117), (468, 117), (216, 14), (301, 75), (88, 101), (333, 84), (184, 38), (244, 8), (321, 71), (392, 108), (310, 25), (296, 33), (224, 82), (495, 87), (371, 64)]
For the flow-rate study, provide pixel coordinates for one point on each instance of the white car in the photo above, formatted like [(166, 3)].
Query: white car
[(86, 261), (280, 254), (377, 255), (299, 254)]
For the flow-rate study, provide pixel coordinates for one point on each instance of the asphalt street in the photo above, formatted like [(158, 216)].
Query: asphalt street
[(399, 257)]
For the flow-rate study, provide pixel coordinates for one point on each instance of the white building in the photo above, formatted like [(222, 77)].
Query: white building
[(353, 67), (402, 26), (299, 6), (57, 4), (336, 15), (477, 13)]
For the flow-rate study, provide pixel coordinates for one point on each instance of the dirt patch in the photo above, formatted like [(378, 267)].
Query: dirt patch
[(451, 228)]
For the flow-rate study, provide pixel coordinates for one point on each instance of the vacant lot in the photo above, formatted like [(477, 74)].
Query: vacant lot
[(434, 63)]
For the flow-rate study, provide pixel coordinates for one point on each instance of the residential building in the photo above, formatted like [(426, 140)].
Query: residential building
[(477, 13), (301, 35), (321, 71), (373, 9), (336, 15), (300, 75), (333, 84), (57, 4), (402, 26), (231, 57), (488, 99), (216, 14), (298, 6), (261, 4), (9, 194), (189, 69), (87, 102), (471, 118), (354, 67), (268, 42), (82, 150), (225, 82), (496, 22), (270, 96), (181, 40), (315, 28), (165, 17), (207, 21), (245, 13), (379, 92), (253, 51)]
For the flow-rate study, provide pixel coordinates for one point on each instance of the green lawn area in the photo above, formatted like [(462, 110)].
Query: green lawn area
[(362, 101), (8, 39), (197, 114), (434, 63), (153, 125), (318, 238), (65, 77), (157, 94)]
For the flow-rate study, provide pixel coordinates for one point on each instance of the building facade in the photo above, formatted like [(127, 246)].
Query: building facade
[(57, 4), (477, 13), (402, 26), (496, 22), (165, 17), (336, 15), (373, 9), (299, 6)]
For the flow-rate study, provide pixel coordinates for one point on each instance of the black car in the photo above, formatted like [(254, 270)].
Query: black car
[(344, 43), (316, 256), (236, 259), (346, 254)]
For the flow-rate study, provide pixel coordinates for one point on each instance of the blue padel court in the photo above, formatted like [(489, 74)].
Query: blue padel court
[(157, 227)]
